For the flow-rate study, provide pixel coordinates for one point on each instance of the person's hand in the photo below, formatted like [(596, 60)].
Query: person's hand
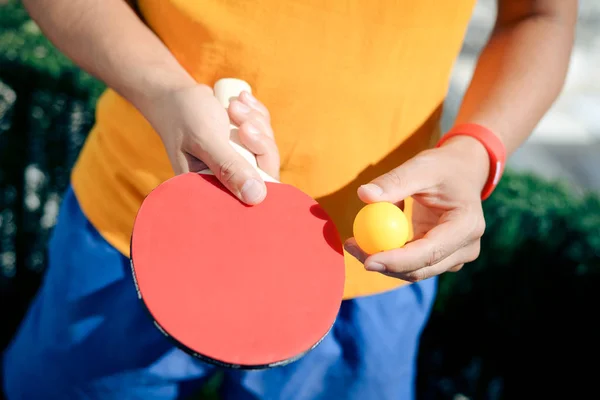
[(448, 222), (194, 128)]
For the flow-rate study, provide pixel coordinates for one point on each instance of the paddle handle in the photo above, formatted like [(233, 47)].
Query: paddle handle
[(225, 90)]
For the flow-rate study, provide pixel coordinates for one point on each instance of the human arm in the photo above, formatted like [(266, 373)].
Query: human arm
[(522, 69), (107, 39), (519, 74)]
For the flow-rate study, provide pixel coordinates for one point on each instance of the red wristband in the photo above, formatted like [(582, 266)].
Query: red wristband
[(494, 147)]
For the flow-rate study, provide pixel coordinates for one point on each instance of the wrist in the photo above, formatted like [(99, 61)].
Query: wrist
[(474, 154), (158, 83)]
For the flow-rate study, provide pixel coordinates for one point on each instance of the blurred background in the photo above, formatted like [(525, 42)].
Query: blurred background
[(517, 323), (566, 143)]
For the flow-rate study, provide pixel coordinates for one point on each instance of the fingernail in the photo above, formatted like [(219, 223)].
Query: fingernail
[(375, 267), (373, 189), (252, 130), (252, 191)]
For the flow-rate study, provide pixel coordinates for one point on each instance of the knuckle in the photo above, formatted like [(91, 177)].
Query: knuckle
[(262, 109), (257, 116), (391, 179), (393, 268), (480, 227), (416, 276), (473, 216), (234, 106), (227, 170), (262, 123), (474, 251), (476, 210), (435, 255)]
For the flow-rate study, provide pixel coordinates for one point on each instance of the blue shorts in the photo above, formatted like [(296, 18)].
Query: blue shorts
[(86, 336)]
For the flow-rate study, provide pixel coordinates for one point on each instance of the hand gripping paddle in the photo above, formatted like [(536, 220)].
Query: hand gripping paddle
[(236, 285)]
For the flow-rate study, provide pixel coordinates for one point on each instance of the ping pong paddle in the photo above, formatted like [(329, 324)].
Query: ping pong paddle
[(237, 286)]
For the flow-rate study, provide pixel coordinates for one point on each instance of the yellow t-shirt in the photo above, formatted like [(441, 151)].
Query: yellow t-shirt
[(354, 87)]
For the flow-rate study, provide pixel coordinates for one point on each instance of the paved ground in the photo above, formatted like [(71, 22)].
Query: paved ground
[(566, 143)]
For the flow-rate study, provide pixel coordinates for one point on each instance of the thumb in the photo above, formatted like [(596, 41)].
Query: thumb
[(235, 172), (412, 177)]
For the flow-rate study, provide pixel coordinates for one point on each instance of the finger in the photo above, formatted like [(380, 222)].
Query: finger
[(232, 170), (252, 102), (457, 229), (461, 257), (417, 175), (240, 113), (453, 263), (263, 146), (456, 268), (354, 250)]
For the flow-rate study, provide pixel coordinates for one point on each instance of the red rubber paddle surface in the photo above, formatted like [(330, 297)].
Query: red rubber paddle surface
[(240, 285)]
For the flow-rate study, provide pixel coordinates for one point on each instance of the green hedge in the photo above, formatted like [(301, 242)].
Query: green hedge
[(23, 45), (519, 319)]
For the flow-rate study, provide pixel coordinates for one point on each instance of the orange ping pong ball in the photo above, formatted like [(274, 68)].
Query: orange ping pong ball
[(380, 227)]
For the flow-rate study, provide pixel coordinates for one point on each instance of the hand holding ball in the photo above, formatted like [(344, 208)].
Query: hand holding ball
[(380, 227)]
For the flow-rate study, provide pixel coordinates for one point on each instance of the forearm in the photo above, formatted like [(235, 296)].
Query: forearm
[(107, 39), (521, 71)]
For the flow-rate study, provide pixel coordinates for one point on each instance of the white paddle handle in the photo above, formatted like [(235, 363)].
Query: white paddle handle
[(225, 90)]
